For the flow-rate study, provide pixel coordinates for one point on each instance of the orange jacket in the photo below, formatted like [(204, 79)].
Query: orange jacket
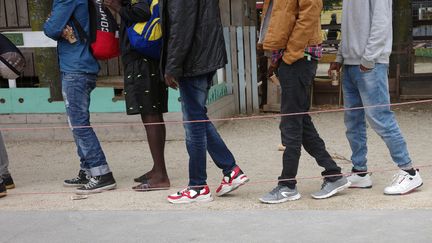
[(294, 25)]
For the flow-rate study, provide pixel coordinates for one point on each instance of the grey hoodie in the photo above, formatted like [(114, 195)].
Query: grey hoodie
[(367, 32)]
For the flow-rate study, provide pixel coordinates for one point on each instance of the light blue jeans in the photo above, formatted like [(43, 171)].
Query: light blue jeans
[(76, 89), (368, 89)]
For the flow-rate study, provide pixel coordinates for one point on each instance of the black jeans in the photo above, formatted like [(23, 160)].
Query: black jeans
[(299, 130)]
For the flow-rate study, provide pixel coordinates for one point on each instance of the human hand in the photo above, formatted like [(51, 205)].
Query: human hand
[(68, 34), (171, 81), (272, 68), (115, 5), (334, 66), (67, 31), (364, 69)]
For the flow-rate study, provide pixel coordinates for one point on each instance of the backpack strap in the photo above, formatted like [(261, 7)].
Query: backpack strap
[(10, 66), (81, 33)]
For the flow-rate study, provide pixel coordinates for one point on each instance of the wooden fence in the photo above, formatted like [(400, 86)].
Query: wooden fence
[(238, 17), (14, 14), (241, 70)]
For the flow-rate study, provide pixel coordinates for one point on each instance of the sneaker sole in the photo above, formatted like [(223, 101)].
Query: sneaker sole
[(3, 194), (360, 187), (72, 185), (10, 186), (187, 201), (98, 190), (336, 190), (404, 193), (234, 186), (293, 198)]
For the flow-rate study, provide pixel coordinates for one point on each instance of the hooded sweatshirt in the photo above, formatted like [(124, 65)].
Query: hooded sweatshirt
[(367, 32)]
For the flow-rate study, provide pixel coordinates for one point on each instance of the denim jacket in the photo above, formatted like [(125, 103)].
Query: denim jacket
[(76, 57)]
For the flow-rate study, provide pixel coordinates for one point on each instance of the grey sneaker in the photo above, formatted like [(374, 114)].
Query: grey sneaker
[(329, 189), (280, 194)]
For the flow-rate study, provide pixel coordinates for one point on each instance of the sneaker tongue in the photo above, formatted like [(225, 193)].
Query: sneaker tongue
[(276, 189)]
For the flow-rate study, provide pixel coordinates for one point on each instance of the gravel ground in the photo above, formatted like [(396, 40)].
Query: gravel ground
[(39, 169)]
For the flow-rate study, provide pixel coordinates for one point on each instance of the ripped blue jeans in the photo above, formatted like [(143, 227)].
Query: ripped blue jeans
[(76, 89)]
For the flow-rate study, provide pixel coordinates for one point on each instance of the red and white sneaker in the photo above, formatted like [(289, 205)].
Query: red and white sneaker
[(232, 181), (190, 195)]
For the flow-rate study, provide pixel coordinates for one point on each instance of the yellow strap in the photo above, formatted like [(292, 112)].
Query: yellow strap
[(139, 27)]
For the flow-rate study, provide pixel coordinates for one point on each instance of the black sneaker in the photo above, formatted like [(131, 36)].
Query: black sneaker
[(98, 184), (9, 183), (78, 181), (2, 190)]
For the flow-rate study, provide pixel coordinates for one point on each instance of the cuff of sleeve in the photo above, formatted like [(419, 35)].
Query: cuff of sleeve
[(367, 64), (339, 59), (175, 72)]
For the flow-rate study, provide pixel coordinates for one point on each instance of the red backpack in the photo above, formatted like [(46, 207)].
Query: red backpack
[(104, 35)]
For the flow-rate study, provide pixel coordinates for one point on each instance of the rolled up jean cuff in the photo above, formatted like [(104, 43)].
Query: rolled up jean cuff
[(407, 166), (99, 170), (360, 168)]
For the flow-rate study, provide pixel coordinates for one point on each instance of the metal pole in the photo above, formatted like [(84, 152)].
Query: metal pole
[(12, 83)]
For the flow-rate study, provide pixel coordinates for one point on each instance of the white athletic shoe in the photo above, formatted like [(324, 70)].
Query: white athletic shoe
[(360, 181), (403, 183)]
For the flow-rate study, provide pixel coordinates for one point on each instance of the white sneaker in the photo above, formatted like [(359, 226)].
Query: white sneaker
[(403, 183), (360, 181)]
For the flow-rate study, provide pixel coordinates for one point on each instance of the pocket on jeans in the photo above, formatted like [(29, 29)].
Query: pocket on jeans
[(306, 75)]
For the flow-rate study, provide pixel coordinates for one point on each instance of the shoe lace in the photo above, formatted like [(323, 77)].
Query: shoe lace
[(325, 183), (92, 183), (76, 179), (276, 190), (184, 191), (81, 176)]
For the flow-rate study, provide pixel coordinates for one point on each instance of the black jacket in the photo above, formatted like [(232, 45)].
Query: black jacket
[(193, 37), (130, 14)]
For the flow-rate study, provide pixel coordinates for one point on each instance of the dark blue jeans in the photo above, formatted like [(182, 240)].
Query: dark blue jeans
[(201, 136), (76, 89)]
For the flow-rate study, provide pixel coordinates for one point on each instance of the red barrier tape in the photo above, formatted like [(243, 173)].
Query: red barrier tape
[(220, 119)]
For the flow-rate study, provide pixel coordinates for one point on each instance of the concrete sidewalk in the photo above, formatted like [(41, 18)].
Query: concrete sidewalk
[(224, 226)]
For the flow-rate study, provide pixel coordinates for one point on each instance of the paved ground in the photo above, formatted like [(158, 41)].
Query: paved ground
[(228, 226), (39, 169)]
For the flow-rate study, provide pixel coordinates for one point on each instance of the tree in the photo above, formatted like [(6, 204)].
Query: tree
[(46, 62), (328, 4)]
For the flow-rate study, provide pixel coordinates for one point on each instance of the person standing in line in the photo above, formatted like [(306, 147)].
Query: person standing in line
[(145, 92), (11, 65), (194, 48), (332, 34), (6, 181), (367, 40), (79, 73), (294, 37)]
